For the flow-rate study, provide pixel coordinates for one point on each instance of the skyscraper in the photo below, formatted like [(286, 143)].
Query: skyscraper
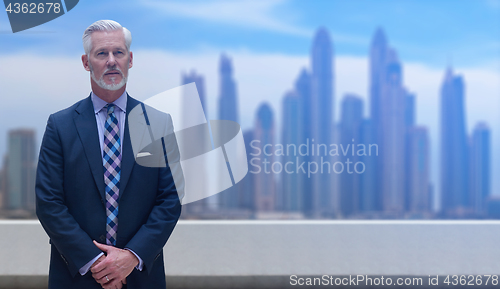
[(199, 80), (378, 72), (418, 172), (322, 116), (228, 98), (265, 197), (368, 199), (228, 110), (392, 133), (3, 184), (454, 157), (246, 187), (409, 124), (291, 196), (200, 205), (390, 103), (303, 89), (350, 128), (480, 168), (21, 170)]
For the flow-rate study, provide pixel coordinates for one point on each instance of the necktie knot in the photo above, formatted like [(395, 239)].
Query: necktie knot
[(110, 108)]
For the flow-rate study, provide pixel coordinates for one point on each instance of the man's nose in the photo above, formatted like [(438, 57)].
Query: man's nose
[(111, 60)]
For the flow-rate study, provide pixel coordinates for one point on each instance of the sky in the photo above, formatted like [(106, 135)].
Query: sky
[(269, 42)]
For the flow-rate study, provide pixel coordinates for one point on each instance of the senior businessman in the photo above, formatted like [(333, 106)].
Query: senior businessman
[(107, 217)]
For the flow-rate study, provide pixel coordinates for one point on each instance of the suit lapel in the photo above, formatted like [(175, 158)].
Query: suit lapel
[(86, 126), (128, 160)]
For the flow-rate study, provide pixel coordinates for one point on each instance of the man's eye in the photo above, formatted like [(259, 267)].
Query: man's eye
[(119, 52), (100, 53)]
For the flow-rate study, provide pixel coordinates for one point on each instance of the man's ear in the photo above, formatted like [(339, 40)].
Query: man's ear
[(85, 62), (130, 62)]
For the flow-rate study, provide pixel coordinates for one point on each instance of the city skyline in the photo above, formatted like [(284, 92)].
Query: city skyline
[(401, 180), (393, 127), (254, 33), (268, 74)]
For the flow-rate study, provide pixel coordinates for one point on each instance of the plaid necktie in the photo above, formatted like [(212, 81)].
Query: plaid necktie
[(111, 161)]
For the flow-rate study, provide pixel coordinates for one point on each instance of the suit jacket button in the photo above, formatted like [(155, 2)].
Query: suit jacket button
[(102, 238)]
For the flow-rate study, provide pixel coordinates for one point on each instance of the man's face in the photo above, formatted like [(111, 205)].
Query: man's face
[(109, 60)]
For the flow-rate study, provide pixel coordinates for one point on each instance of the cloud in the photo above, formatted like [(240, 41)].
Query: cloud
[(246, 13), (494, 4)]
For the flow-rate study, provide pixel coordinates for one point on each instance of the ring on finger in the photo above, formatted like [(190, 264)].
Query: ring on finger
[(107, 278)]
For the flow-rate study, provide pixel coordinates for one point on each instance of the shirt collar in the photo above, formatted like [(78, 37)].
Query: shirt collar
[(99, 104)]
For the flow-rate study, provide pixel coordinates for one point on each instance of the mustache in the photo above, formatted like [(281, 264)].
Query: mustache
[(115, 68)]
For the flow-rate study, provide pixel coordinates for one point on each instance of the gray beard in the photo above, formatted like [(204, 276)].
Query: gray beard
[(103, 84)]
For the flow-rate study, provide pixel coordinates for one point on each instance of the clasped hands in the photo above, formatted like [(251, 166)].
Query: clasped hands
[(111, 269)]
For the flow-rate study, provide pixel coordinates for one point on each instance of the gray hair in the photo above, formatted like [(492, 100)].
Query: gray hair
[(104, 25)]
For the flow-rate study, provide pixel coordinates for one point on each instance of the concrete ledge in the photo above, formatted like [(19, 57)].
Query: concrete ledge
[(234, 254), (24, 282), (240, 282)]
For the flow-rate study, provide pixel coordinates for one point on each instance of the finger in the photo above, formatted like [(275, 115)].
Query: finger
[(97, 268), (102, 275), (104, 280), (100, 266), (124, 281), (108, 286), (115, 283), (97, 261), (101, 281), (102, 247)]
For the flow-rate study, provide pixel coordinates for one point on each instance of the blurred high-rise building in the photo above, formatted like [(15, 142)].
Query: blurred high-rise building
[(290, 196), (378, 71), (480, 156), (20, 170), (392, 132), (454, 157), (409, 124), (228, 110), (351, 118), (264, 135), (246, 187), (199, 206), (3, 183), (378, 75), (228, 97), (368, 201), (199, 80), (303, 89), (390, 106), (322, 88), (418, 172)]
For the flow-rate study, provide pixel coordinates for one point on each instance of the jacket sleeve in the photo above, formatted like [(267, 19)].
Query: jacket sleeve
[(74, 245), (149, 241)]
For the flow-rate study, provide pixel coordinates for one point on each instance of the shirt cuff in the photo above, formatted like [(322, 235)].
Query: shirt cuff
[(139, 266), (87, 266)]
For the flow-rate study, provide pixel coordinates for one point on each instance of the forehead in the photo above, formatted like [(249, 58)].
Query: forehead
[(108, 39)]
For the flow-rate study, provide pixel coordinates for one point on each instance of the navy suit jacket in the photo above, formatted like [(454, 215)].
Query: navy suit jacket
[(70, 201)]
